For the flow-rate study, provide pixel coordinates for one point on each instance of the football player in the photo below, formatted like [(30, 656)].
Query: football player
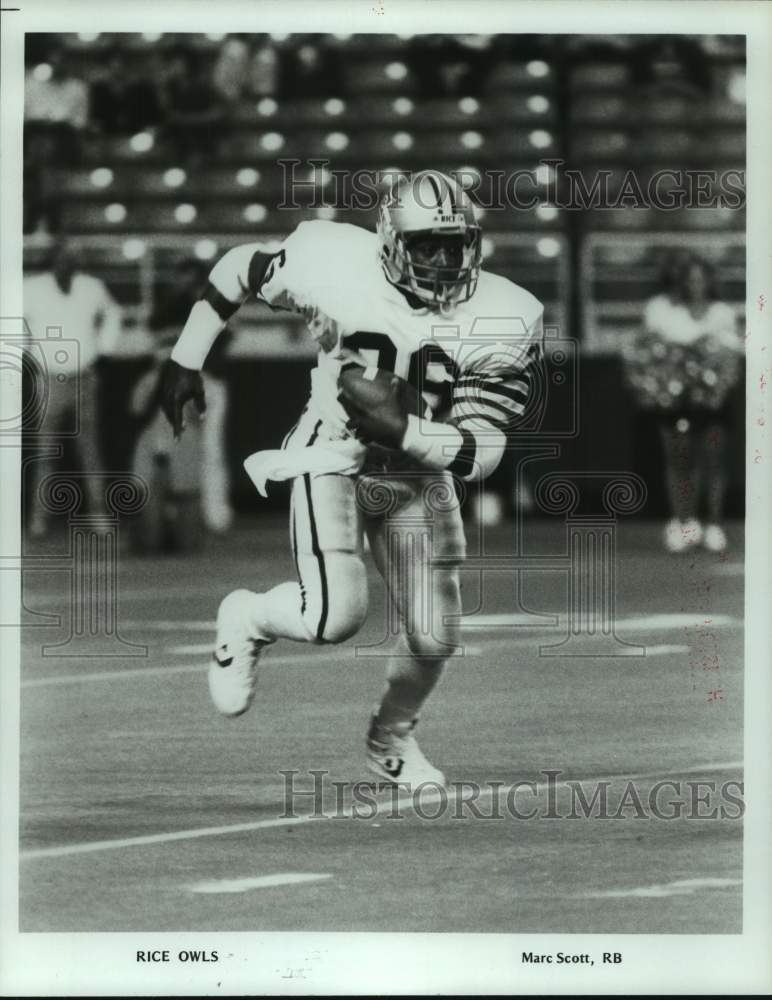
[(411, 300)]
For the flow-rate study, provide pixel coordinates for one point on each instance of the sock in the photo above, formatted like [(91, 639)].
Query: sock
[(277, 614), (378, 732), (409, 682)]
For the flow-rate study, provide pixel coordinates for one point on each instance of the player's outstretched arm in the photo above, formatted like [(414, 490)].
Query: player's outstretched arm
[(178, 386), (238, 273)]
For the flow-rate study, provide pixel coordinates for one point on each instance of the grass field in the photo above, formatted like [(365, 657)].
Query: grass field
[(143, 809)]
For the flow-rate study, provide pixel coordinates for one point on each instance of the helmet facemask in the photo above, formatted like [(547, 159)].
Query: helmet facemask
[(441, 269)]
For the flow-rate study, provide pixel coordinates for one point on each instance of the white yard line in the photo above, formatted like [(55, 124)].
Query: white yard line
[(197, 649), (281, 659), (405, 802), (693, 619), (188, 668), (307, 655), (191, 625), (683, 887), (258, 882), (659, 620), (109, 675), (730, 569), (193, 649), (696, 619), (163, 838)]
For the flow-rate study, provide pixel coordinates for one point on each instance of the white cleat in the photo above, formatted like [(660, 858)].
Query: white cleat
[(233, 670), (682, 535), (715, 538), (692, 532), (397, 758), (674, 539)]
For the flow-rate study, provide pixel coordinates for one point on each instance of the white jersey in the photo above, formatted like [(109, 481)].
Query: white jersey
[(469, 363), (674, 322), (86, 313)]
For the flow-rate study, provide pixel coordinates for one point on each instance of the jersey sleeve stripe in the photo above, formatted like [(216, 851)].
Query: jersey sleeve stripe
[(494, 385), (517, 395), (498, 415), (503, 404), (483, 390), (473, 422), (513, 403)]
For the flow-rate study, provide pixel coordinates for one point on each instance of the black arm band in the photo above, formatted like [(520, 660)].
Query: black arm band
[(463, 464), (222, 306)]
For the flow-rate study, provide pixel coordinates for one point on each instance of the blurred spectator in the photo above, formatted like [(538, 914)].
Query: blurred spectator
[(173, 305), (671, 65), (310, 70), (171, 519), (192, 106), (449, 65), (82, 307), (52, 93), (55, 110), (231, 67), (475, 51), (240, 71), (683, 366), (264, 70), (124, 99)]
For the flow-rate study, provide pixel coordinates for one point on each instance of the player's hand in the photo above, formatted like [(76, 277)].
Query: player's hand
[(178, 386), (384, 423)]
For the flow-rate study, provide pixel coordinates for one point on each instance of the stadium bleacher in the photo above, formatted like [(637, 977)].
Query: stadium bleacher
[(130, 195)]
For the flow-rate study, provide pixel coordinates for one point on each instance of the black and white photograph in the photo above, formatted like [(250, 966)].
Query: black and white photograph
[(385, 495)]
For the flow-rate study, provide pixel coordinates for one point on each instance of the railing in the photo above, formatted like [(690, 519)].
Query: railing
[(134, 266)]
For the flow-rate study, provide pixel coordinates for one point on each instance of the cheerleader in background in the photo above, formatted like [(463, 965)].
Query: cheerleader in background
[(683, 365)]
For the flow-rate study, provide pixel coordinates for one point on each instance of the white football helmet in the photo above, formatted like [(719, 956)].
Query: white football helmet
[(424, 205)]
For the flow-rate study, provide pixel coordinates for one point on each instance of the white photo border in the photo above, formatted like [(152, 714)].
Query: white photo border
[(66, 964)]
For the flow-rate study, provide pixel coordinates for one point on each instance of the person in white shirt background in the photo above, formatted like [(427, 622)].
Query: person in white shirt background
[(52, 93), (81, 307), (694, 362)]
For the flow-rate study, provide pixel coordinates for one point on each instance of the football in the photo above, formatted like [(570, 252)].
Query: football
[(378, 404), (371, 388)]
